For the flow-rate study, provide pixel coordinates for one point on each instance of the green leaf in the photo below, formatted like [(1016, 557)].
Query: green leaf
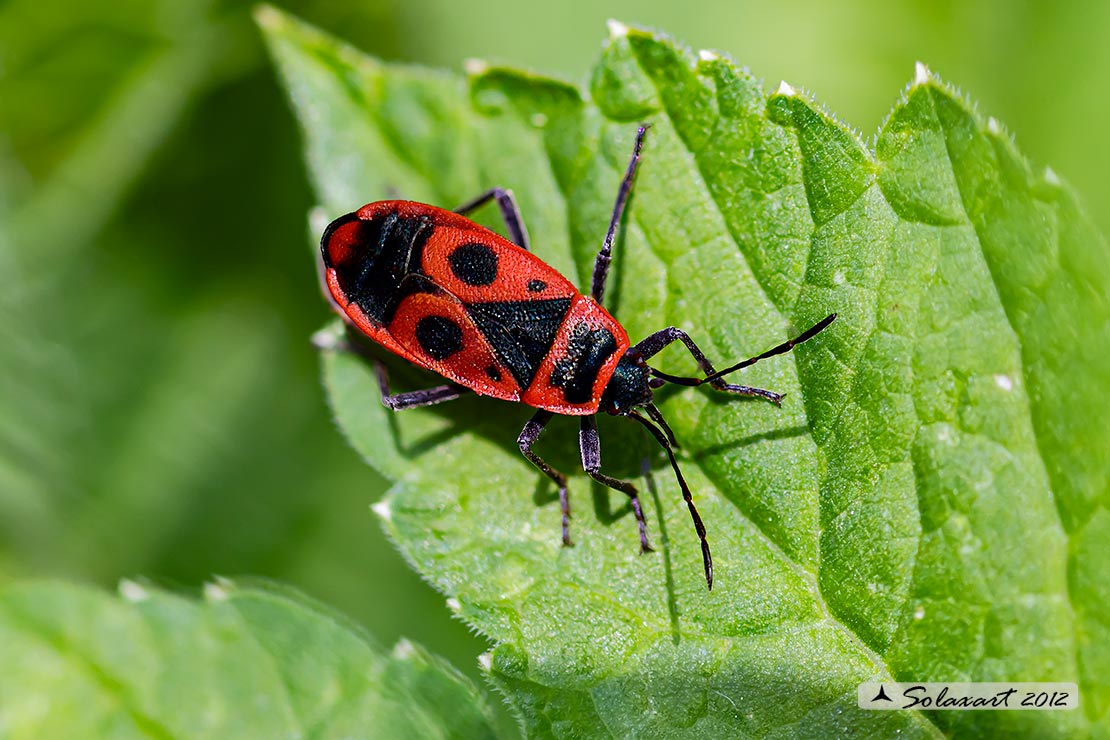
[(129, 69), (930, 502), (248, 661)]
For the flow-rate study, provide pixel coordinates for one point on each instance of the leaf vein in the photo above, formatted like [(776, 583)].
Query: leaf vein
[(800, 569), (980, 238)]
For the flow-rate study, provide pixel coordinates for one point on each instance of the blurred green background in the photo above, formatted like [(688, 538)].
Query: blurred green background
[(160, 408)]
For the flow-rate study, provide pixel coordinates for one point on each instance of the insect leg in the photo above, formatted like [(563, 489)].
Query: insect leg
[(352, 341), (413, 399), (528, 436), (655, 343), (605, 255), (590, 446), (601, 264), (510, 213), (699, 526)]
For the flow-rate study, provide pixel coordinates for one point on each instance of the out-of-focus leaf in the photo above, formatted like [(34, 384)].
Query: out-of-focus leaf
[(248, 661), (929, 504), (127, 70), (158, 410)]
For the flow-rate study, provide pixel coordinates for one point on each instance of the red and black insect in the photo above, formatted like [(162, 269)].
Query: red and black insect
[(489, 316)]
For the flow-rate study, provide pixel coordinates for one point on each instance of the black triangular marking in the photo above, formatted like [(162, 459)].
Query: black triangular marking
[(882, 695), (520, 332)]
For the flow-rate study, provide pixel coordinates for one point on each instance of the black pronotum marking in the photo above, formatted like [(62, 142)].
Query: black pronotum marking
[(439, 336), (520, 332), (383, 253), (537, 286), (474, 264), (493, 373), (587, 350)]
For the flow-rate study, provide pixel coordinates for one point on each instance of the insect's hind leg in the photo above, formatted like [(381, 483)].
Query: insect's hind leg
[(605, 256), (528, 436), (350, 342), (510, 213), (590, 446), (655, 344), (414, 399)]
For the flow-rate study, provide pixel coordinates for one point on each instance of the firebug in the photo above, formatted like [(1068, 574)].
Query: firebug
[(494, 319)]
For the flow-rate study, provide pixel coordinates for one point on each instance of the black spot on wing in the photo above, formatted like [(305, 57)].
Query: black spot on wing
[(493, 373), (576, 373), (383, 253), (474, 264), (520, 332), (439, 336), (537, 286)]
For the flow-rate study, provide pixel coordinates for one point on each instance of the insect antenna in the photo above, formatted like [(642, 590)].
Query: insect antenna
[(786, 346), (715, 376), (676, 379), (661, 438)]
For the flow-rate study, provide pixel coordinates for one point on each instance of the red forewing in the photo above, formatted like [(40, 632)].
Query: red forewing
[(435, 330)]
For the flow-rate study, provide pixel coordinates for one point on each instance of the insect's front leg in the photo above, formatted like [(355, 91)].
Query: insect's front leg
[(590, 446), (655, 344)]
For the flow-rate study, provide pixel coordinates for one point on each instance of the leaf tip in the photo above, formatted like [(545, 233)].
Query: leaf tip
[(382, 510), (921, 73), (785, 89), (1051, 177), (318, 219), (485, 662), (132, 591), (454, 605), (475, 67), (267, 16), (404, 649), (994, 126), (327, 338), (218, 590), (707, 55), (617, 30)]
